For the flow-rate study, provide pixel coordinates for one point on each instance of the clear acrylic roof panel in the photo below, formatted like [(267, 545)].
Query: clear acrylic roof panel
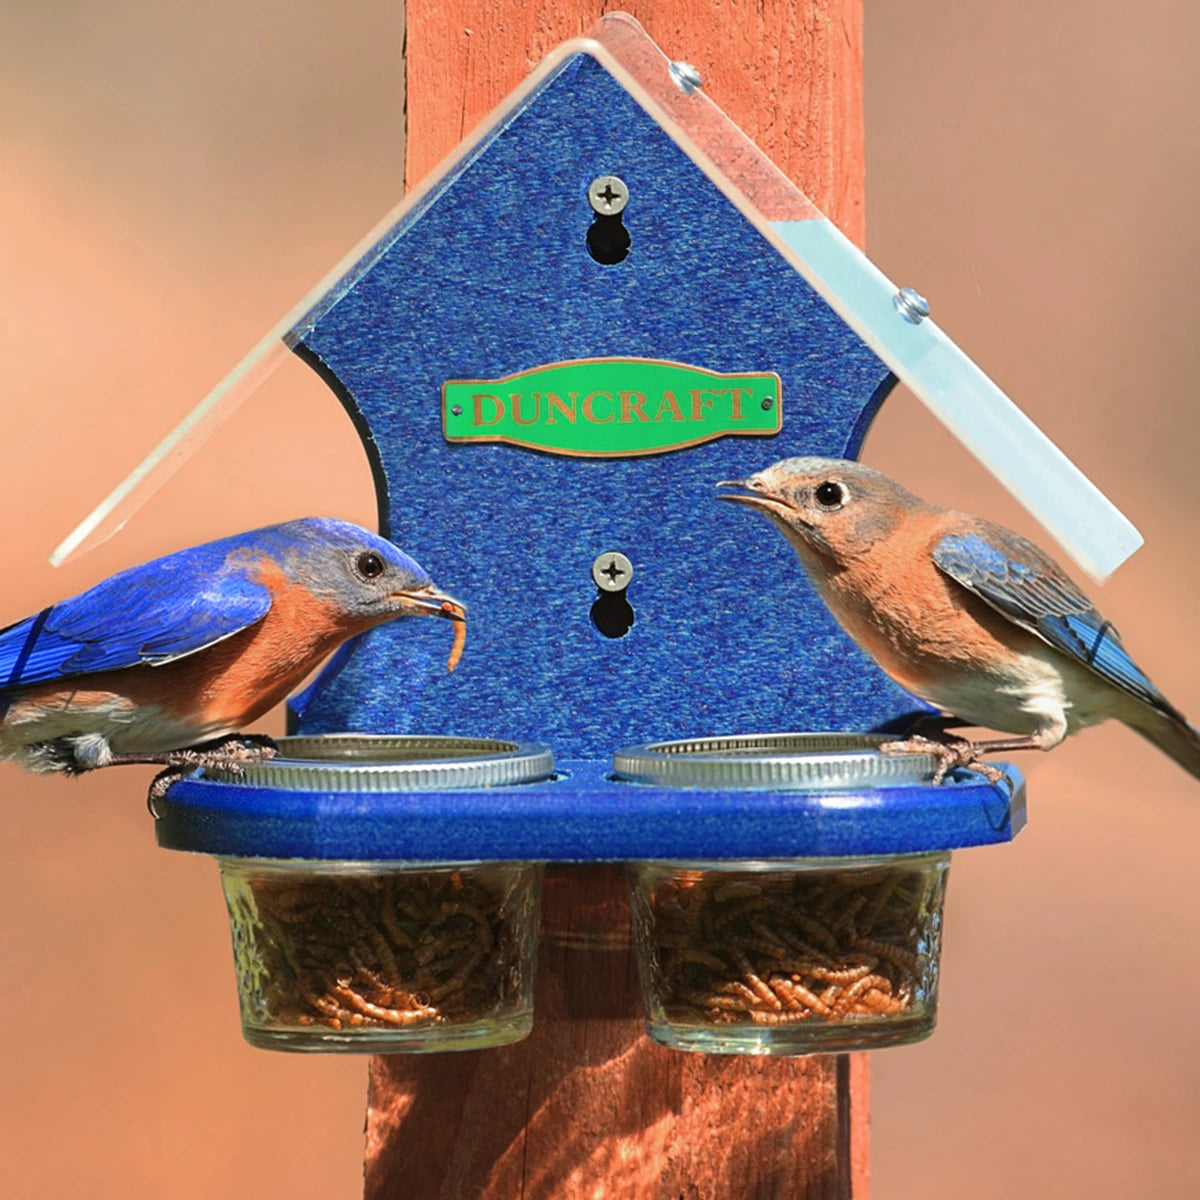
[(940, 374)]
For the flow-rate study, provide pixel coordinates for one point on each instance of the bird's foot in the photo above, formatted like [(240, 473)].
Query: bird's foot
[(235, 749), (229, 753), (162, 783), (951, 752)]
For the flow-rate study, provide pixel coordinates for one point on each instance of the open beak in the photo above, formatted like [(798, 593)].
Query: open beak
[(756, 496), (429, 602)]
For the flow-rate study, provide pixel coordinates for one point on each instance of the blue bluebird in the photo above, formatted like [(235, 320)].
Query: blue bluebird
[(965, 614), (194, 646)]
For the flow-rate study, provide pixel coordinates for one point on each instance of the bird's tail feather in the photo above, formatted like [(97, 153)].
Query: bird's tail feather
[(1172, 735)]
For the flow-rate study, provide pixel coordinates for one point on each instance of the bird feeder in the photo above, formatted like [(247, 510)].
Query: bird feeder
[(364, 954), (605, 302), (814, 954)]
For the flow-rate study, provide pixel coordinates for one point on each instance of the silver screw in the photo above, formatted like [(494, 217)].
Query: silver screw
[(612, 571), (607, 194), (912, 306), (687, 78)]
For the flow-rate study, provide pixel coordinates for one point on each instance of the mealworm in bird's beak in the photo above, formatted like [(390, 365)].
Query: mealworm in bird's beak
[(458, 615)]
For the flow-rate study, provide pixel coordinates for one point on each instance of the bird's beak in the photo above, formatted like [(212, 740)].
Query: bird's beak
[(429, 602), (757, 496)]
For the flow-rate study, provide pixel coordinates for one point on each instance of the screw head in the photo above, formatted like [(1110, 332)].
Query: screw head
[(911, 305), (686, 78), (608, 195), (612, 571)]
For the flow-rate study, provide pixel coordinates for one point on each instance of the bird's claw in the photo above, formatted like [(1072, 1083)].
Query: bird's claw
[(161, 784), (951, 753), (228, 753)]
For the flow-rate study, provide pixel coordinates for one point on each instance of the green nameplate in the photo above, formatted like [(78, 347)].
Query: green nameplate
[(610, 407)]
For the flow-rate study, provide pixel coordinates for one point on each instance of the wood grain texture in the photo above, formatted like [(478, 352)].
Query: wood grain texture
[(789, 74), (588, 1106)]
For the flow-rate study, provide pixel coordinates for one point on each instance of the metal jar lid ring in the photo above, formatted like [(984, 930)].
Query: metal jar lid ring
[(361, 762), (802, 761)]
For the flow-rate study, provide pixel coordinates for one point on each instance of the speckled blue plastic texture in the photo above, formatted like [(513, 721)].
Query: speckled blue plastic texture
[(491, 275), (584, 816)]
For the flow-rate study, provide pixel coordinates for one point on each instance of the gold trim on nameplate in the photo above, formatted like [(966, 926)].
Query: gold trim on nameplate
[(612, 407)]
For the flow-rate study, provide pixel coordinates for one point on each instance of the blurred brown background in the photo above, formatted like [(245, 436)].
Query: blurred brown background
[(174, 177)]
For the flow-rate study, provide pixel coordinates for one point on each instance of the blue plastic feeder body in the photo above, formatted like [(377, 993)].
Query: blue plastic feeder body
[(583, 815), (491, 275)]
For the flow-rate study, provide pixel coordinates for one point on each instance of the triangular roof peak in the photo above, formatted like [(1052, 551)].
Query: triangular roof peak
[(892, 322)]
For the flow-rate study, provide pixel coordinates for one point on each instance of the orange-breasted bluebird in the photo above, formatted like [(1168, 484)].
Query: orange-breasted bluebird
[(192, 647), (963, 613)]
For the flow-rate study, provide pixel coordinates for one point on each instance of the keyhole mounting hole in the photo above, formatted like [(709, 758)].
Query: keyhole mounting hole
[(608, 240), (612, 614)]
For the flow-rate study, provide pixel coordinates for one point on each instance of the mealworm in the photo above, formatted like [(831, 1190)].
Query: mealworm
[(390, 1016), (885, 950), (738, 890), (848, 972), (766, 933), (775, 949), (756, 984), (381, 951), (845, 919), (771, 949), (735, 987), (717, 1003), (798, 993), (875, 1001), (460, 908), (883, 893), (459, 619), (779, 1018), (693, 954), (816, 931), (854, 991)]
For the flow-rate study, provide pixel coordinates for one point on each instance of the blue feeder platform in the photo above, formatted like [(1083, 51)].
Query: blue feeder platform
[(450, 340)]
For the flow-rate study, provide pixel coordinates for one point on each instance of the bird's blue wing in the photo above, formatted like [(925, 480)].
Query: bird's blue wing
[(150, 614), (1027, 586)]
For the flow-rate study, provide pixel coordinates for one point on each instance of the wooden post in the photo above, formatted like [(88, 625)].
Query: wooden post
[(588, 1105), (789, 74)]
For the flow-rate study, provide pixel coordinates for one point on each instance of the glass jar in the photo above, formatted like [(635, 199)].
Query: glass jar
[(377, 957), (789, 957), (373, 955), (818, 953)]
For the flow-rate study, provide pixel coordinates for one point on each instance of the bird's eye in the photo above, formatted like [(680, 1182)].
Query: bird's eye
[(370, 566), (830, 494)]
